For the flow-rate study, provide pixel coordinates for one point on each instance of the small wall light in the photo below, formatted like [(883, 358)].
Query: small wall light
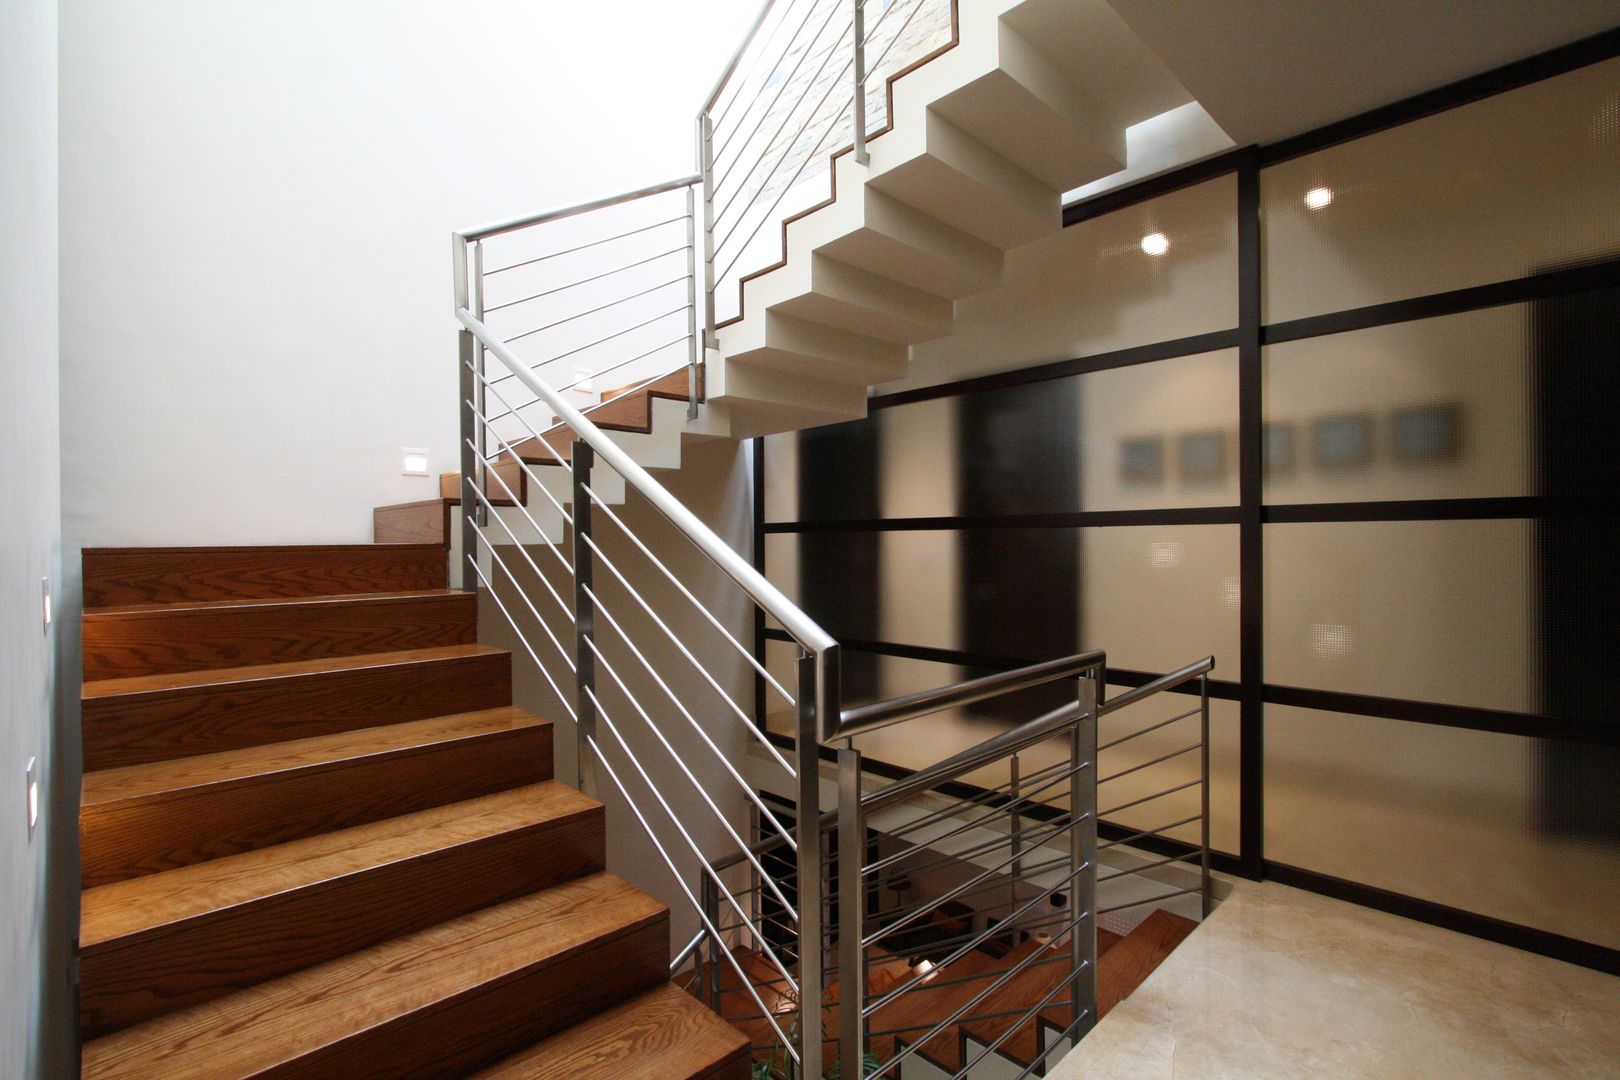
[(416, 462), (33, 795), (1319, 198), (1155, 243), (45, 593)]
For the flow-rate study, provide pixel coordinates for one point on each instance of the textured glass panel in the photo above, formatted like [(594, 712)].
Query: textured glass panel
[(1462, 818), (1505, 187), (1154, 597), (1427, 610), (1147, 436), (1446, 405), (1091, 288)]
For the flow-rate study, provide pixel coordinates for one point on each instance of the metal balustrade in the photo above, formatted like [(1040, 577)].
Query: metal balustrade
[(557, 307)]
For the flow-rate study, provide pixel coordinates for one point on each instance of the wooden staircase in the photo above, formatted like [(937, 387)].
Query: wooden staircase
[(318, 839), (1124, 963)]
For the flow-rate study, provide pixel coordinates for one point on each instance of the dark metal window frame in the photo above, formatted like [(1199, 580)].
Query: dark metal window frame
[(1252, 514)]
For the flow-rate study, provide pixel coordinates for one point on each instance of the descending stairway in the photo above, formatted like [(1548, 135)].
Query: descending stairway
[(317, 839), (1125, 963)]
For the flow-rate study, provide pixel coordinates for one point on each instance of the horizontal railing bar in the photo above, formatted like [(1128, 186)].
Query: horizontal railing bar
[(496, 228), (1149, 798), (568, 612), (798, 625), (527, 647), (865, 718), (1029, 1015), (781, 86), (681, 708), (681, 882), (1197, 853), (965, 855), (1162, 683), (489, 424), (686, 952), (953, 942), (976, 1018), (1151, 900), (599, 308), (762, 946), (765, 50), (523, 466), (1151, 727), (1149, 764), (593, 277), (746, 653), (985, 935), (997, 795), (538, 618), (1125, 840), (957, 980), (736, 58), (611, 368), (598, 341), (675, 755)]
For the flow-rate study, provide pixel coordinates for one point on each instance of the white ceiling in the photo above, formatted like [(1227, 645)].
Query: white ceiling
[(1268, 69)]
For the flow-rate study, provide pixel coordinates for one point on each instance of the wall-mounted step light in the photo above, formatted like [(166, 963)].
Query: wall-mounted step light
[(45, 602), (416, 462), (32, 773)]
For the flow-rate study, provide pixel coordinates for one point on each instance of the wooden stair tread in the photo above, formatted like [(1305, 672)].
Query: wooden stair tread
[(206, 607), (322, 1012), (117, 576), (924, 1006), (148, 904), (258, 762), (665, 1034), (1126, 966), (187, 680)]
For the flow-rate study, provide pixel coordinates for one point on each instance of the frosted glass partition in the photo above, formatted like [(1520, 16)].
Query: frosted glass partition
[(1505, 187), (1155, 596), (1426, 610), (1439, 408), (1449, 815)]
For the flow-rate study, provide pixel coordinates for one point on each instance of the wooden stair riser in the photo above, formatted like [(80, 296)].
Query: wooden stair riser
[(510, 489), (114, 576), (153, 642), (424, 522), (145, 835), (185, 720), (126, 980)]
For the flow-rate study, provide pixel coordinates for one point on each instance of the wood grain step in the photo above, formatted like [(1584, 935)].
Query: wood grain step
[(664, 1034), (426, 521), (156, 717), (145, 819), (513, 481), (1127, 965), (174, 575), (442, 1001), (153, 639), (158, 943)]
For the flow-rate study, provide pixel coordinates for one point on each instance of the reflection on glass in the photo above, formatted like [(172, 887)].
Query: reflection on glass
[(1502, 188), (1434, 409), (1445, 814)]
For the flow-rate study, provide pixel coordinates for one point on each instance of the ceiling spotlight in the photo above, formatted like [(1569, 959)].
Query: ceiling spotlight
[(1318, 197), (1155, 243)]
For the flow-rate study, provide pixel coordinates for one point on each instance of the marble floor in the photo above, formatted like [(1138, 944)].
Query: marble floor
[(1284, 983)]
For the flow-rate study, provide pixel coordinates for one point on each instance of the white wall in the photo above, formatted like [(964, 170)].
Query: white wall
[(31, 987), (256, 208)]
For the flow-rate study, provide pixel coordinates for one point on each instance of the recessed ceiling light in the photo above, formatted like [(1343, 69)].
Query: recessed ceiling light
[(1319, 197), (1155, 243)]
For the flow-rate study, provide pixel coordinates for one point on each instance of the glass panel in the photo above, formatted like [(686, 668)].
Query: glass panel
[(1434, 409), (1513, 185), (1092, 288), (1155, 597), (1426, 610), (1464, 818), (1144, 437), (1149, 781)]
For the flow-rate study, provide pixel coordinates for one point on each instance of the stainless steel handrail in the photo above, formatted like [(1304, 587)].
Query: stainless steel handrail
[(1163, 682), (895, 710), (798, 625), (496, 228)]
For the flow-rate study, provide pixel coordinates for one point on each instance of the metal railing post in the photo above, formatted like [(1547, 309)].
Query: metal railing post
[(859, 36), (1015, 793), (468, 350), (1206, 882), (691, 307), (583, 458), (808, 764), (1083, 858), (710, 903), (705, 148), (851, 915)]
